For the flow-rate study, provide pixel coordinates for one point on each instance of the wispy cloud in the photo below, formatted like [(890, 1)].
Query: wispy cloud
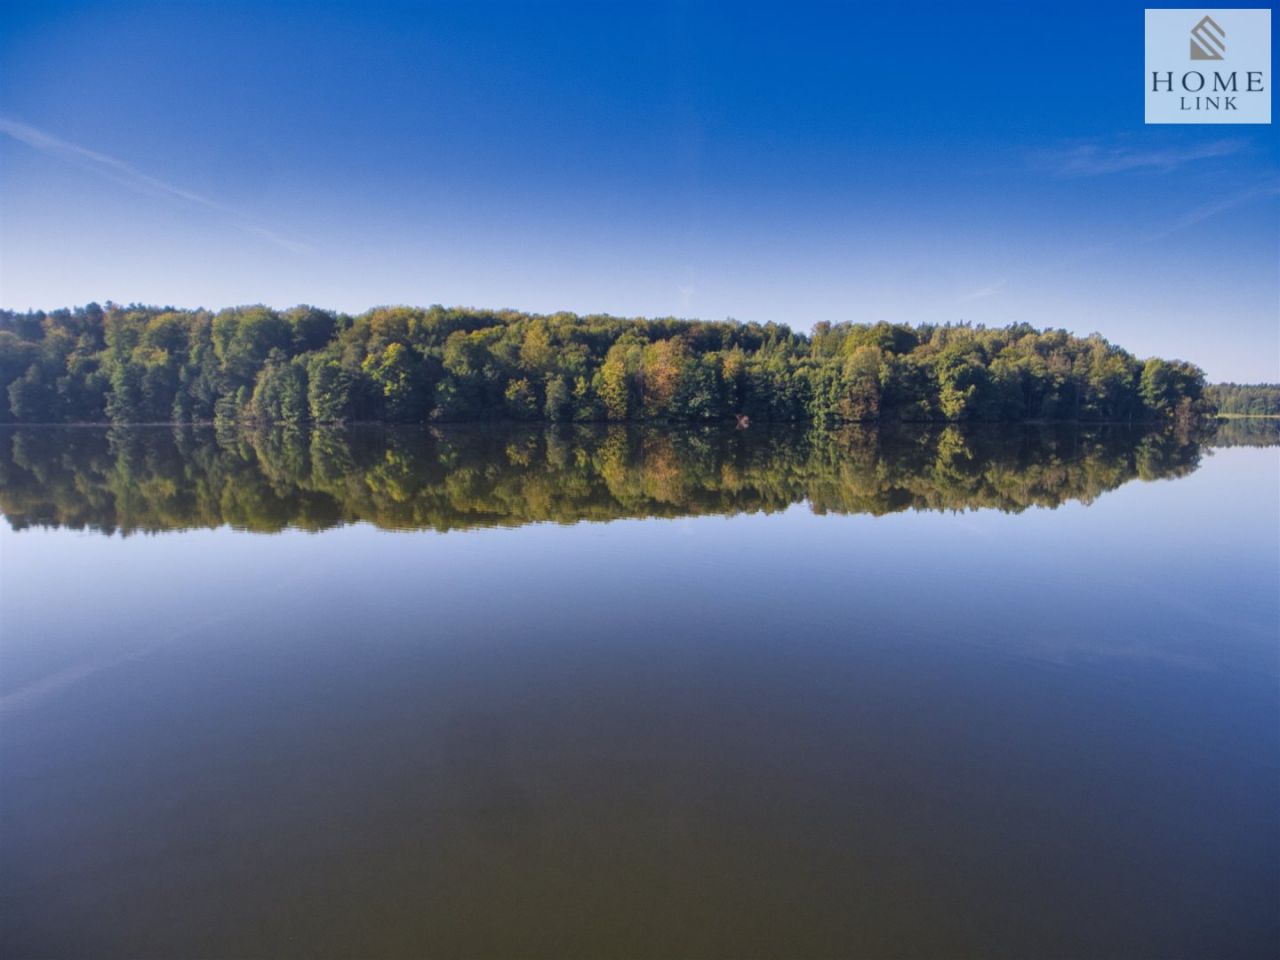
[(1257, 193), (1211, 208), (1097, 159), (134, 179), (981, 293)]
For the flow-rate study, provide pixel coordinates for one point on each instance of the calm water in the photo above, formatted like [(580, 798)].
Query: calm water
[(769, 693)]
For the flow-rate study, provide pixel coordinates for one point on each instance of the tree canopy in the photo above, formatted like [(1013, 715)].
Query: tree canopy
[(1246, 399), (138, 364)]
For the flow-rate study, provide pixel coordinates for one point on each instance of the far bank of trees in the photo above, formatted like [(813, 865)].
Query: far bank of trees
[(136, 364), (1246, 399)]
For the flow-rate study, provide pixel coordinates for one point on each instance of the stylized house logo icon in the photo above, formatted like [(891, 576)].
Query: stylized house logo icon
[(1208, 40), (1208, 85)]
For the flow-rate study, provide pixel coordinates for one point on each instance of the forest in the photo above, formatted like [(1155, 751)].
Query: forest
[(1245, 399), (312, 477), (137, 364)]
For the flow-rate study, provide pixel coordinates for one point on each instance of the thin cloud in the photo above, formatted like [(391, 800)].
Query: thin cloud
[(981, 293), (1258, 193), (1212, 208), (122, 173), (1096, 160)]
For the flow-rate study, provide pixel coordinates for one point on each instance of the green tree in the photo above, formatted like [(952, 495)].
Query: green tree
[(399, 381), (617, 380), (522, 400), (861, 400), (329, 387), (280, 393), (559, 402)]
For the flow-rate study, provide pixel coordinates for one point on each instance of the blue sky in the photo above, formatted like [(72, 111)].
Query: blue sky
[(795, 163)]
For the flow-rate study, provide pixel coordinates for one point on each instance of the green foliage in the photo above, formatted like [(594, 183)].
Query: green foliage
[(328, 390), (522, 401), (397, 379), (32, 398), (559, 403), (145, 364), (617, 381), (280, 394), (1246, 400), (860, 396), (1172, 388)]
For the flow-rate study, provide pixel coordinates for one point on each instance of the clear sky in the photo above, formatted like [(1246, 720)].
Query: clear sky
[(795, 163)]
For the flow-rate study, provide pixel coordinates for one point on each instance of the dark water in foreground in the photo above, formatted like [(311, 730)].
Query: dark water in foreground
[(803, 696)]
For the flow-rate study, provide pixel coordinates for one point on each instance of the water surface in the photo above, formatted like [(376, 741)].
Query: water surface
[(596, 692)]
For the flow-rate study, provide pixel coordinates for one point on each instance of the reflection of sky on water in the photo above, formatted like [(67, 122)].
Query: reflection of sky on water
[(981, 726)]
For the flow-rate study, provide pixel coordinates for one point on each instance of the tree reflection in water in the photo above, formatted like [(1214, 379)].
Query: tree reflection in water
[(150, 479)]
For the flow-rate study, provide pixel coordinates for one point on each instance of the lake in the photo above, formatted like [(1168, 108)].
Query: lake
[(611, 692)]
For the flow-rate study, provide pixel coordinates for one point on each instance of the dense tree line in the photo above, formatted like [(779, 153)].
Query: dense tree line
[(444, 478), (1246, 399), (134, 364)]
